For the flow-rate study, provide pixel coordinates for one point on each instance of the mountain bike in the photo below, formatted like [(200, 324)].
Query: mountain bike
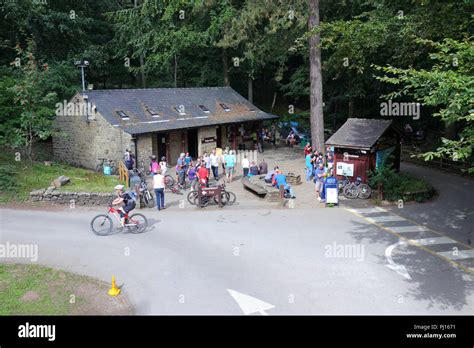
[(145, 193), (102, 224)]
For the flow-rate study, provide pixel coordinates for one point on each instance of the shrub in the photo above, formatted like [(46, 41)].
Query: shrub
[(7, 177), (398, 185)]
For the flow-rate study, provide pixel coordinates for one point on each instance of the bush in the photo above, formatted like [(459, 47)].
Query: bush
[(398, 185), (7, 177)]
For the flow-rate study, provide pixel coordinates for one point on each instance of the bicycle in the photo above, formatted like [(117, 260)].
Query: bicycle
[(145, 193), (227, 197), (357, 190), (135, 223), (343, 183)]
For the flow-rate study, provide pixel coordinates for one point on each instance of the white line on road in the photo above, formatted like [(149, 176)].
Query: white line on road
[(433, 241), (385, 218), (458, 254), (392, 265), (403, 229), (249, 304), (368, 210)]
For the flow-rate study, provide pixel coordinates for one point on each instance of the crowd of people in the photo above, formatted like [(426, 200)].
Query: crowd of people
[(318, 168)]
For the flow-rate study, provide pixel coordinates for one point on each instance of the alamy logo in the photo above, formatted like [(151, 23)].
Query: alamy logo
[(400, 109), (348, 251), (37, 331), (19, 251), (75, 109)]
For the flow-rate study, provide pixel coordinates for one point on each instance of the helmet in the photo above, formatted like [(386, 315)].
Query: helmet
[(163, 158), (119, 187), (153, 157)]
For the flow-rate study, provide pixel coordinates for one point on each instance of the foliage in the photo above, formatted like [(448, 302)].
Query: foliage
[(396, 185), (449, 85)]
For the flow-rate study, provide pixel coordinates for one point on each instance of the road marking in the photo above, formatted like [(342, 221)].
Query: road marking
[(446, 256), (459, 255), (249, 304), (368, 210), (400, 269), (434, 241), (385, 218), (404, 229)]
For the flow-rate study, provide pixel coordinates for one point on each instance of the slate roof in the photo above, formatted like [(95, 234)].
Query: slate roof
[(359, 133), (163, 101)]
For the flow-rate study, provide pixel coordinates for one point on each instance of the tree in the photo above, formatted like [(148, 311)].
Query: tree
[(36, 102), (449, 86), (316, 79)]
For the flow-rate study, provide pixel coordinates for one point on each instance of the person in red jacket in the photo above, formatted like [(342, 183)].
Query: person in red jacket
[(203, 175)]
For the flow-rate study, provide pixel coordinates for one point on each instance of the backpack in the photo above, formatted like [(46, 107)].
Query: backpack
[(132, 196)]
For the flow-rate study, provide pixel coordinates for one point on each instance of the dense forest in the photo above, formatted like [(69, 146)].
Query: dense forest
[(371, 51)]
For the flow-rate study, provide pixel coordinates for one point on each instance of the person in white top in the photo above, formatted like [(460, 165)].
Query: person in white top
[(245, 165), (163, 165), (214, 162), (159, 188)]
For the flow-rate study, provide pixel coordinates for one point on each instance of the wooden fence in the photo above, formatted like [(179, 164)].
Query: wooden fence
[(123, 174)]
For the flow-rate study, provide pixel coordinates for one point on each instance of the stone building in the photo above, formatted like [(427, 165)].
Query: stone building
[(99, 124)]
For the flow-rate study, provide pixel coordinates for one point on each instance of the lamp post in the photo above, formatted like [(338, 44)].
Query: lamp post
[(82, 64)]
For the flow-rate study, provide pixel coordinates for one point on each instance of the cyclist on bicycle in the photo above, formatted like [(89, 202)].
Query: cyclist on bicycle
[(127, 200)]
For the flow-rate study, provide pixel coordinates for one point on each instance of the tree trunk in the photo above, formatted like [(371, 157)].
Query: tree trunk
[(225, 67), (250, 89), (316, 89), (351, 108), (274, 100), (175, 71)]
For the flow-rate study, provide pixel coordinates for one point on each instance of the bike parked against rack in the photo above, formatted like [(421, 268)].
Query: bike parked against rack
[(357, 190)]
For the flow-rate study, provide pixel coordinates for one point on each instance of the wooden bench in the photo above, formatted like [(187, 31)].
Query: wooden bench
[(260, 187)]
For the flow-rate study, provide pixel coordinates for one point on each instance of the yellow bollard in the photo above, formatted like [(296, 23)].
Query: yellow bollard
[(114, 291)]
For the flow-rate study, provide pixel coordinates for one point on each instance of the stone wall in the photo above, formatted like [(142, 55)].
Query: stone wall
[(52, 195), (81, 141), (145, 147), (206, 132)]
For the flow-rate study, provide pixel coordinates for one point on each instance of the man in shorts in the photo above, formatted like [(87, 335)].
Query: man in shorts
[(229, 165), (319, 176)]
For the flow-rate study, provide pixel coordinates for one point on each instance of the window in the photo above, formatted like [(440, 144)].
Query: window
[(203, 108), (152, 112), (180, 110), (123, 115), (225, 107)]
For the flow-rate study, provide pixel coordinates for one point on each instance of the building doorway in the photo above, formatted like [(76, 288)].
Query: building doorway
[(162, 147), (193, 142)]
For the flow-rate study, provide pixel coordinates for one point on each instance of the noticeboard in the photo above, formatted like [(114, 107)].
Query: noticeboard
[(346, 169)]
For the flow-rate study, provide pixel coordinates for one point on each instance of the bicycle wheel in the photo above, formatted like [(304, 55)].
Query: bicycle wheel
[(101, 225), (227, 198), (364, 191), (137, 223), (350, 192), (169, 181), (204, 202), (149, 200), (191, 197)]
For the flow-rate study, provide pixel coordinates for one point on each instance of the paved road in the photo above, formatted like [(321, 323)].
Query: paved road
[(451, 212), (298, 261)]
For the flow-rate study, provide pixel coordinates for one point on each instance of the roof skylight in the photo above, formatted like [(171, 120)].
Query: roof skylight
[(123, 115)]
